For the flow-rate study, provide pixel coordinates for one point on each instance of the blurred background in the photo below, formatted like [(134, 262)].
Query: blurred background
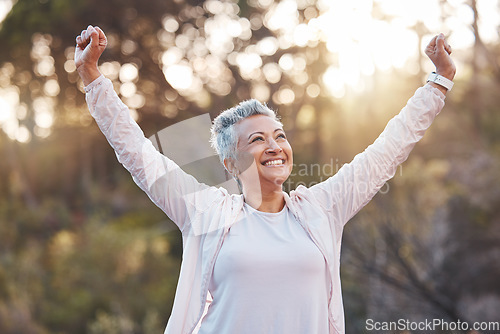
[(83, 250)]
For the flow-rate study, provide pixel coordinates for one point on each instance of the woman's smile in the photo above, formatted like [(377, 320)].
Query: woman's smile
[(274, 162)]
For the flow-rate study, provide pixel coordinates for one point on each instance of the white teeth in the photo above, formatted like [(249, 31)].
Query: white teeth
[(275, 162)]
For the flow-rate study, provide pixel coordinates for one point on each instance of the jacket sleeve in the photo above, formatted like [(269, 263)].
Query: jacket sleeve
[(355, 184), (178, 194)]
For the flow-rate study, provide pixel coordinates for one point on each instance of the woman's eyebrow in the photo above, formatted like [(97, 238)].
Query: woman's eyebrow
[(260, 132)]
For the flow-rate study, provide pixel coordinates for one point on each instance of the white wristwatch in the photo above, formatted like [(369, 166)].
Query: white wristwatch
[(440, 80)]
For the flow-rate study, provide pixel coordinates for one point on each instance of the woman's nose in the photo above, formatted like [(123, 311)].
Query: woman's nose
[(273, 146)]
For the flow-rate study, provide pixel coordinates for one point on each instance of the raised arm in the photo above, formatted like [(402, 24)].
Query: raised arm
[(178, 194), (352, 187)]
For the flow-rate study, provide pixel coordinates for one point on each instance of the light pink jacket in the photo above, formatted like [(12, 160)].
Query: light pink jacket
[(204, 214)]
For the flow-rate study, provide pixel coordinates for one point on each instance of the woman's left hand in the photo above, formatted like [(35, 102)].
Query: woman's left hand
[(438, 50)]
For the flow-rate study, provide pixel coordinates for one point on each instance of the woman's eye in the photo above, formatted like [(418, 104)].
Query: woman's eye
[(256, 139), (281, 135)]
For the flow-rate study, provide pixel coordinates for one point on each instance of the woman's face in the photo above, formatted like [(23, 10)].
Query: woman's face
[(263, 155)]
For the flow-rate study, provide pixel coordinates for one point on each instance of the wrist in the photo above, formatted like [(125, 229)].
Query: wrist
[(448, 74), (443, 82), (88, 73)]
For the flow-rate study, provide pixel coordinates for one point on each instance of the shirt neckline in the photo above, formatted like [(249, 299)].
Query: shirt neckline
[(266, 214)]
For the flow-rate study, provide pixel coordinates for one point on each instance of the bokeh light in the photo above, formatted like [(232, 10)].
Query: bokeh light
[(203, 45)]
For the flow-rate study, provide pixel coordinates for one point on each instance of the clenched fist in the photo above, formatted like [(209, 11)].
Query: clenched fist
[(90, 44), (438, 50)]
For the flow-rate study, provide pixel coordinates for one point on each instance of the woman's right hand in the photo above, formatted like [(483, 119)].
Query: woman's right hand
[(90, 44)]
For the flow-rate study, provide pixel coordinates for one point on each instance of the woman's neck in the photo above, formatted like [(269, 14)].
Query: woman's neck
[(273, 201)]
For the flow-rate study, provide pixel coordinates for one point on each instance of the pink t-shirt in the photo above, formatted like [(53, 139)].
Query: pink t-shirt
[(269, 277)]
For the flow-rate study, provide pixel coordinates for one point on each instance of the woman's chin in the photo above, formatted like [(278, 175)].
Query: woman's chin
[(279, 180)]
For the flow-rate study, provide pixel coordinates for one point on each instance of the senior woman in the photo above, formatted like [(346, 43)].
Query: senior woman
[(264, 261)]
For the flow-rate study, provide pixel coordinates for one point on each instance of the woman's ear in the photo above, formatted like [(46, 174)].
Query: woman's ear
[(230, 167)]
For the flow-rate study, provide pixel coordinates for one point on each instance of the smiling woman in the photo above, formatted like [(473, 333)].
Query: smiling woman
[(252, 145), (263, 261)]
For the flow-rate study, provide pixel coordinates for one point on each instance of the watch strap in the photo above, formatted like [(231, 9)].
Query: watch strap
[(440, 80)]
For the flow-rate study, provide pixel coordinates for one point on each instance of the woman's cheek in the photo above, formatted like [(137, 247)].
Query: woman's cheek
[(245, 161)]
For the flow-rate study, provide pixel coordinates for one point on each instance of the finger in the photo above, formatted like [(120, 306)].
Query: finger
[(432, 43), (99, 30), (447, 47), (94, 36), (431, 47), (440, 42), (84, 35), (81, 42), (89, 29), (102, 37)]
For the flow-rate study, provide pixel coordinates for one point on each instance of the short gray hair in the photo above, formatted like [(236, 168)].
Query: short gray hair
[(223, 137)]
